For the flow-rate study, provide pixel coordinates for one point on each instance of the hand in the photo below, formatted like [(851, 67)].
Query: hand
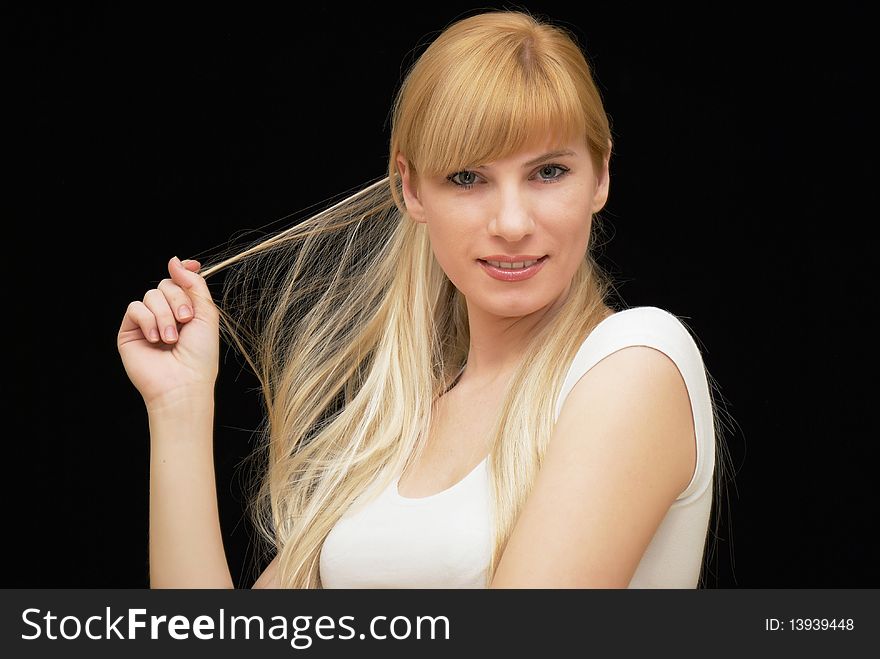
[(162, 367)]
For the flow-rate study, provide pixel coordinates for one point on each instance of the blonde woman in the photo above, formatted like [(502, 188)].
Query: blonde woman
[(451, 400)]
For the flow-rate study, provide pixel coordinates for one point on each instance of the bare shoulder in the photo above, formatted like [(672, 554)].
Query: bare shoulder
[(622, 450), (636, 400)]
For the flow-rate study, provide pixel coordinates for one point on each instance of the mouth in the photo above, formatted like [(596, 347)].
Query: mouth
[(513, 271), (514, 265)]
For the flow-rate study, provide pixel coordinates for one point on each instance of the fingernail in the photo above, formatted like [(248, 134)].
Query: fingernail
[(176, 259), (170, 333), (184, 311)]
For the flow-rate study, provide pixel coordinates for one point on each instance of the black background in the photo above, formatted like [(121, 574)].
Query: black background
[(738, 202)]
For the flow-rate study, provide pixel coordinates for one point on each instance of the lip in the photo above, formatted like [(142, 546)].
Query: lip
[(512, 259), (513, 275)]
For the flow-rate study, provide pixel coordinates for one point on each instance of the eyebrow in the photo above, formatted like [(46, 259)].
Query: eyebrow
[(546, 156)]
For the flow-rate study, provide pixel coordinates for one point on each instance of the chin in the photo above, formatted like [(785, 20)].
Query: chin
[(510, 305)]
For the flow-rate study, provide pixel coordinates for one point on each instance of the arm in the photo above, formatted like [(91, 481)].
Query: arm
[(622, 450), (186, 546)]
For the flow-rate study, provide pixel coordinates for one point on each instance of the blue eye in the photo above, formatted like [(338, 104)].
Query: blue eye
[(470, 175), (451, 178), (562, 172)]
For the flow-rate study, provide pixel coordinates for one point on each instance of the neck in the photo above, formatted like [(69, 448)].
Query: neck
[(497, 343)]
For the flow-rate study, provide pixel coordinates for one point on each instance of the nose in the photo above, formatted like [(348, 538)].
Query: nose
[(512, 218)]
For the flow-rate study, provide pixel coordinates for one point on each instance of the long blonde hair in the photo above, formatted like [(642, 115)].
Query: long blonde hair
[(354, 330)]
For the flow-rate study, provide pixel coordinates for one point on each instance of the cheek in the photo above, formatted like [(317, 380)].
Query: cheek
[(580, 233), (571, 249), (571, 230), (451, 224), (580, 214), (449, 244), (580, 240), (570, 220)]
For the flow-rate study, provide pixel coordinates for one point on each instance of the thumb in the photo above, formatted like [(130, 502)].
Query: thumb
[(194, 284)]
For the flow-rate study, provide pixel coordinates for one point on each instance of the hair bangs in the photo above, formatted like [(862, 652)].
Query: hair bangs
[(492, 116)]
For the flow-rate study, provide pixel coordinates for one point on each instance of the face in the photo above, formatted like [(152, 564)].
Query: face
[(526, 205)]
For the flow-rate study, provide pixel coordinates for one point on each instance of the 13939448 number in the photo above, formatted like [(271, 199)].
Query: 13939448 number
[(803, 624), (809, 624)]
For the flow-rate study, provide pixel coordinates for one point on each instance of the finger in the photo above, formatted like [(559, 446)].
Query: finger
[(155, 301), (195, 287), (138, 316), (179, 301), (191, 264)]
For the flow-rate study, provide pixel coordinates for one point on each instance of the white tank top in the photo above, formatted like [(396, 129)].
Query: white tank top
[(445, 540)]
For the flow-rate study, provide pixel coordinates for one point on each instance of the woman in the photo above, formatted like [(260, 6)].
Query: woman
[(451, 399)]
